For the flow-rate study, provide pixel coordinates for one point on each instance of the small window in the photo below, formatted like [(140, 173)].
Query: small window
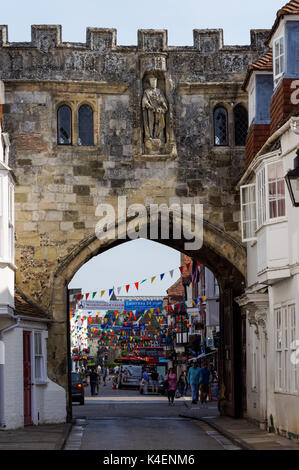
[(38, 356), (279, 60), (240, 125), (248, 212), (220, 127), (64, 125), (86, 128)]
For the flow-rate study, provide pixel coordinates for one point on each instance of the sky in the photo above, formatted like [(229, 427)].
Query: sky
[(140, 259), (179, 17)]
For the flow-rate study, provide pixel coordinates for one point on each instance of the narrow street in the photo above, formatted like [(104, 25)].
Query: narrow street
[(126, 420)]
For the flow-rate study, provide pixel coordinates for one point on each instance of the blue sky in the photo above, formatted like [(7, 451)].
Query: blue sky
[(140, 259), (179, 17)]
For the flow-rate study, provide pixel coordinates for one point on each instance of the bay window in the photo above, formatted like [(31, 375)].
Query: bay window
[(264, 201), (278, 59)]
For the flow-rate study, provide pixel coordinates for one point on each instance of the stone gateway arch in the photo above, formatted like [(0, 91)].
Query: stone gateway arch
[(83, 134)]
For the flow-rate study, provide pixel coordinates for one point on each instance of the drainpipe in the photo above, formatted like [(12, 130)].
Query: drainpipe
[(2, 363)]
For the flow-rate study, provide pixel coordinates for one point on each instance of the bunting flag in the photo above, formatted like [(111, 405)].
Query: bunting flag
[(195, 278), (195, 271)]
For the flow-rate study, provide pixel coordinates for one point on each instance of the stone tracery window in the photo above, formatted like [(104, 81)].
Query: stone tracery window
[(240, 125), (220, 126), (64, 125), (86, 126)]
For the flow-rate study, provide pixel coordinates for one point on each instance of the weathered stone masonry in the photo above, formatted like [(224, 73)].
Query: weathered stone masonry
[(59, 187)]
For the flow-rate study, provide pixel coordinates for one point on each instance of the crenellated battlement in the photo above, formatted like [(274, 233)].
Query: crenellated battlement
[(48, 37)]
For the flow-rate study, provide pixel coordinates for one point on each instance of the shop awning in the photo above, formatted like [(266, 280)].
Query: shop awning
[(201, 356)]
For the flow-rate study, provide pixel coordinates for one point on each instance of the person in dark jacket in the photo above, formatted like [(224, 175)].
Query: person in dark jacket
[(204, 383), (94, 377)]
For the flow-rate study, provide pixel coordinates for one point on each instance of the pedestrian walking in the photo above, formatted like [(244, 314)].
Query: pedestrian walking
[(171, 383), (182, 384), (204, 383), (155, 377), (145, 377), (93, 376), (193, 380), (105, 375)]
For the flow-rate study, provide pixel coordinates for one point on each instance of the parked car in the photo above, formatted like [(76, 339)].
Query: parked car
[(77, 388)]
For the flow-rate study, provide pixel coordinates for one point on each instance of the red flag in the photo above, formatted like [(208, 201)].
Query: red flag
[(136, 285), (86, 296), (181, 269)]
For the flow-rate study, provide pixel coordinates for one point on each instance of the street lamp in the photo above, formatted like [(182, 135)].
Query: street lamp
[(292, 180)]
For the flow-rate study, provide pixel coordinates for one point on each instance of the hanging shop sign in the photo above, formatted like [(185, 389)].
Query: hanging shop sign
[(142, 304), (100, 305)]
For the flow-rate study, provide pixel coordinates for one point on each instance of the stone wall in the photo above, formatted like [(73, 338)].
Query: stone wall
[(59, 187)]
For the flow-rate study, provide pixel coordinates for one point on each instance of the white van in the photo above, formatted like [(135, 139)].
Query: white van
[(130, 376)]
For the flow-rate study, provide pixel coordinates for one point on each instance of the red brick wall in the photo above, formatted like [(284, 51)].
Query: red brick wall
[(257, 136), (281, 105)]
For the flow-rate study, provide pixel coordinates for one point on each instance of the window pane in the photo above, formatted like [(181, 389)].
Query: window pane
[(38, 343), (220, 126), (241, 125), (86, 130), (38, 367), (64, 125)]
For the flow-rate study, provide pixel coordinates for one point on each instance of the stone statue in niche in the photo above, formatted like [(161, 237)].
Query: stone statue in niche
[(154, 107)]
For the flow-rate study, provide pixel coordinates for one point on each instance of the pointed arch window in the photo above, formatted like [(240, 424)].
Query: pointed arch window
[(86, 126), (64, 125), (240, 125), (220, 126)]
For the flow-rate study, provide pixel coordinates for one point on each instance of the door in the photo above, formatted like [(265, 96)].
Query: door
[(231, 364), (27, 377)]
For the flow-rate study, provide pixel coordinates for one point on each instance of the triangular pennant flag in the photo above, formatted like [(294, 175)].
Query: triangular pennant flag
[(94, 294), (102, 293), (136, 285), (171, 273), (153, 278), (86, 296), (143, 281), (110, 292), (118, 290), (181, 269), (128, 287), (79, 296), (161, 276)]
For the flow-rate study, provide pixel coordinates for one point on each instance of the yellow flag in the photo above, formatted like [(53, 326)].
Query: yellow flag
[(102, 293), (153, 278)]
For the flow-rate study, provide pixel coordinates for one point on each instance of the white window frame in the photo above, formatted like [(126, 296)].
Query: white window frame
[(252, 103), (42, 379), (286, 373), (260, 212), (281, 58), (248, 204), (11, 215)]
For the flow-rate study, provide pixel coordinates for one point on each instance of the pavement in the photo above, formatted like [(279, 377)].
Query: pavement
[(240, 432), (42, 437)]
